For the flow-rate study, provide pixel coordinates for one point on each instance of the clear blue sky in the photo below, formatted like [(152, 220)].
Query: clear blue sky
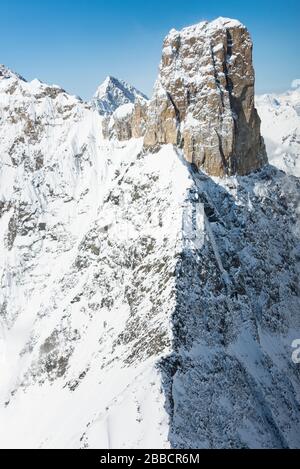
[(77, 43)]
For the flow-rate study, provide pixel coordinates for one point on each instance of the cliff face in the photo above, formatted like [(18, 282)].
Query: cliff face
[(128, 121), (204, 99)]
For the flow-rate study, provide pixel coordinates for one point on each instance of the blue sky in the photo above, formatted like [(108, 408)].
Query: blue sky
[(76, 44)]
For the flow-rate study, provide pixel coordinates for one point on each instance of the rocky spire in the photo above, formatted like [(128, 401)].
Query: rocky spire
[(204, 99)]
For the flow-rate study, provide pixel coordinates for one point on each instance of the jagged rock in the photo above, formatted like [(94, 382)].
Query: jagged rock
[(139, 118), (204, 99), (119, 124), (127, 121)]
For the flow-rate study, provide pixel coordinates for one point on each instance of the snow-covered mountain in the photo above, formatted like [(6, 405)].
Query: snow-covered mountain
[(143, 303), (280, 114), (113, 93), (6, 73)]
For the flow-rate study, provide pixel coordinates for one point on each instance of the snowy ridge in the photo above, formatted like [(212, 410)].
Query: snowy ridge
[(6, 73), (280, 114)]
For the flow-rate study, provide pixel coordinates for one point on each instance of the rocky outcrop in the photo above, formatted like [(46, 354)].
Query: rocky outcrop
[(204, 99), (128, 121), (119, 124)]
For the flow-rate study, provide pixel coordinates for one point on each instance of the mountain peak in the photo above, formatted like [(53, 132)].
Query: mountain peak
[(6, 73), (113, 93), (108, 80)]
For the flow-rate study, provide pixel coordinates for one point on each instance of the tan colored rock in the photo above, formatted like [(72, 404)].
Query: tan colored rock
[(204, 99), (139, 118), (128, 121), (119, 124)]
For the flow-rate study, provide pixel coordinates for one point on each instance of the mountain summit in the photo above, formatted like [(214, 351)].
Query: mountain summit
[(113, 93), (6, 73), (203, 101), (204, 98)]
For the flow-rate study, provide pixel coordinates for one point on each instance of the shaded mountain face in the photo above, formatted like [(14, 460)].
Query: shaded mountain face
[(143, 303), (114, 93)]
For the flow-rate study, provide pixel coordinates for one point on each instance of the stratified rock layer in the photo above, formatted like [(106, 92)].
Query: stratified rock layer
[(204, 99)]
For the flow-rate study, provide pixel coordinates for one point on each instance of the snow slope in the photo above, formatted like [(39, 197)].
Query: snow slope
[(280, 116), (142, 304), (73, 260)]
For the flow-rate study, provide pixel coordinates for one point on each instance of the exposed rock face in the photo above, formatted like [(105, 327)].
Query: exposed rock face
[(139, 118), (204, 99), (128, 121), (119, 124)]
